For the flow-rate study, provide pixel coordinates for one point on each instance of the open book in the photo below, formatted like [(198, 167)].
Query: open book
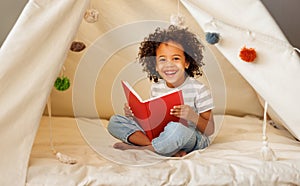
[(153, 114)]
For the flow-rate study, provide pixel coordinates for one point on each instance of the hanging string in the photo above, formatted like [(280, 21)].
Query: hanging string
[(178, 7), (216, 24), (61, 157), (76, 45), (267, 153), (177, 19), (62, 83), (50, 125), (91, 15)]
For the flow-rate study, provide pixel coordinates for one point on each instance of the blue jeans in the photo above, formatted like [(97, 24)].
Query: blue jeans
[(174, 138)]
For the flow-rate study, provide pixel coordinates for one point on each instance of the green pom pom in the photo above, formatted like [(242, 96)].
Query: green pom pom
[(62, 83)]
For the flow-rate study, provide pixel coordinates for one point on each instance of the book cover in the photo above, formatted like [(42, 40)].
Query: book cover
[(153, 114)]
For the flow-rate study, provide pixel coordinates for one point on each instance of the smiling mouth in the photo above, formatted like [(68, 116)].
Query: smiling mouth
[(170, 73)]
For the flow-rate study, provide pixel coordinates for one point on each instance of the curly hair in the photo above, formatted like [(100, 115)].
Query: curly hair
[(193, 49)]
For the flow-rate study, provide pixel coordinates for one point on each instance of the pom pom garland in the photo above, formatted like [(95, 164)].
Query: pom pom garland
[(212, 37), (77, 46), (91, 16), (248, 54), (62, 83), (177, 20)]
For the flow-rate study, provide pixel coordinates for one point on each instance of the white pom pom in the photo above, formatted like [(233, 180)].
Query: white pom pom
[(177, 20), (91, 16)]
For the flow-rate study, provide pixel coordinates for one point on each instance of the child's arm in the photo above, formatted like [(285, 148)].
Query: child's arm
[(204, 121)]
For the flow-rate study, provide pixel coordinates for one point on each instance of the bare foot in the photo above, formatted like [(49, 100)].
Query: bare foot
[(124, 146), (180, 153)]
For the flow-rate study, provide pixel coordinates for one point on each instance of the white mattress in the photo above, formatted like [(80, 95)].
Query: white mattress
[(232, 159)]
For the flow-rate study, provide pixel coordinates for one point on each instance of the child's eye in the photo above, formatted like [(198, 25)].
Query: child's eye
[(176, 58), (162, 60)]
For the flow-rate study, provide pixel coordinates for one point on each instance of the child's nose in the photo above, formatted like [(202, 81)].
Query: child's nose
[(169, 62)]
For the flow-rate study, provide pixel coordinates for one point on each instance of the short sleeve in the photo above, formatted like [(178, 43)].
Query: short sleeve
[(204, 100)]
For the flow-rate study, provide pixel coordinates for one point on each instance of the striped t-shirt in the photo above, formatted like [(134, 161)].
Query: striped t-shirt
[(195, 94)]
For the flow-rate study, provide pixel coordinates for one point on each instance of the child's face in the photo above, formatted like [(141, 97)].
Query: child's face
[(171, 63)]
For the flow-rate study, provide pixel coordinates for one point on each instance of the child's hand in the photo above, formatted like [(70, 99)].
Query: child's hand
[(127, 110), (184, 112)]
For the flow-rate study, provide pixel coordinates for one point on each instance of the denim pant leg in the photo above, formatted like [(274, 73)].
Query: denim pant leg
[(202, 141), (174, 138), (122, 127)]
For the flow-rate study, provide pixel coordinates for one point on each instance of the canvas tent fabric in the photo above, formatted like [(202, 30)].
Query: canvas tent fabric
[(19, 120), (31, 58), (275, 74)]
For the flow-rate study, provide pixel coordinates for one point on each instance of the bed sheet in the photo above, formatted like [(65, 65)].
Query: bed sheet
[(232, 159)]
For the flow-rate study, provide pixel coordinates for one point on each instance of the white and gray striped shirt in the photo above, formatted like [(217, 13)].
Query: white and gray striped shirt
[(195, 94)]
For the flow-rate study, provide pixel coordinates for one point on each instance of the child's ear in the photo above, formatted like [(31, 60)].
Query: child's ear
[(186, 65)]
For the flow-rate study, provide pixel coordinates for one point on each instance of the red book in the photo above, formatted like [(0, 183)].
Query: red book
[(153, 114)]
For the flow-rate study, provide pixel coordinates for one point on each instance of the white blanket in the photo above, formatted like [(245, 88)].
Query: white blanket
[(232, 159)]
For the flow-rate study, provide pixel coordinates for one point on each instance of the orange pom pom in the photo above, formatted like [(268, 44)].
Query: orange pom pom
[(248, 54)]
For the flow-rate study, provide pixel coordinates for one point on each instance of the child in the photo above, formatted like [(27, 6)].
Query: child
[(171, 57)]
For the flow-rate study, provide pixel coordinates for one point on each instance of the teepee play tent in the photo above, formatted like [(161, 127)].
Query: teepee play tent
[(57, 135)]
